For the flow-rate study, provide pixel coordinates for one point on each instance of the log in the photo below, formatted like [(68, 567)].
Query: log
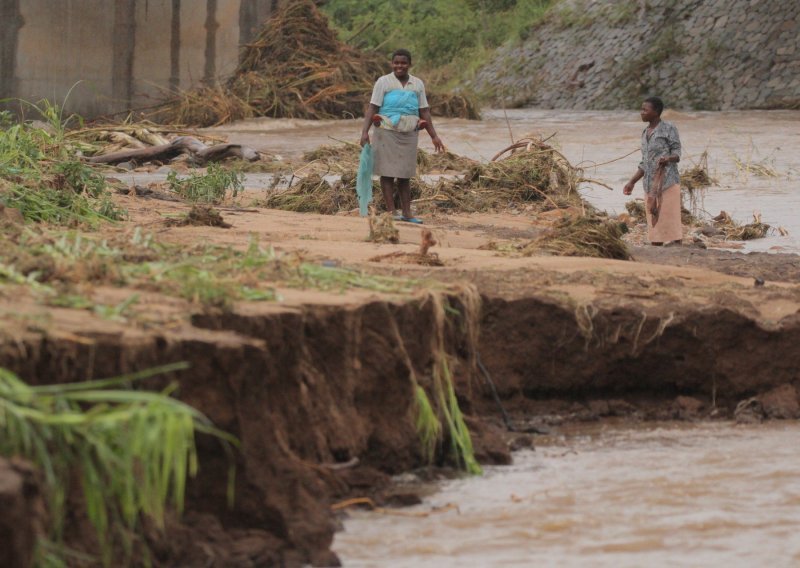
[(201, 154)]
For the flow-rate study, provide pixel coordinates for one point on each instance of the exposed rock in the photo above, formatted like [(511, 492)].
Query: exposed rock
[(600, 407), (671, 44), (687, 407), (749, 411), (781, 402), (618, 407), (521, 442)]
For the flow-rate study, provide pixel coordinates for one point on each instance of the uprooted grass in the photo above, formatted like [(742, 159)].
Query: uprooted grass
[(313, 194), (209, 187), (534, 175), (345, 158), (295, 68), (41, 177), (587, 235), (697, 177), (741, 232), (382, 229), (201, 215)]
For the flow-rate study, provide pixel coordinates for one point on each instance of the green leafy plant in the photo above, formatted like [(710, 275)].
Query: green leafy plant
[(211, 187), (40, 175), (129, 451)]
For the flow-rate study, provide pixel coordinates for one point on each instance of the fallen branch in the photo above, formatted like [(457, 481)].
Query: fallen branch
[(201, 154)]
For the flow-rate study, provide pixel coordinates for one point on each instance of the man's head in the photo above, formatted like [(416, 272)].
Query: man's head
[(401, 62), (652, 107)]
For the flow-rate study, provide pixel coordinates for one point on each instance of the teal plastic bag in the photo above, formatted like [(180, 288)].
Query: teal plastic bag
[(364, 180)]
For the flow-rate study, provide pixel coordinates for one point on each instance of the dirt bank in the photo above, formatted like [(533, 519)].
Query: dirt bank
[(319, 387)]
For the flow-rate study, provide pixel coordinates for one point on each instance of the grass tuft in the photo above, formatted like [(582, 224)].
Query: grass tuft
[(129, 451)]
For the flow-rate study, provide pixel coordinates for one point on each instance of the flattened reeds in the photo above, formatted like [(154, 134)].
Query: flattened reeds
[(737, 232), (536, 174), (345, 157), (588, 235), (440, 162), (315, 195)]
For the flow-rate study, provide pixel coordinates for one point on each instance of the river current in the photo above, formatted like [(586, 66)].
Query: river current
[(615, 496)]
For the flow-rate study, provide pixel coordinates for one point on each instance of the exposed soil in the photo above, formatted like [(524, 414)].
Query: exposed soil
[(770, 267), (24, 516), (319, 387)]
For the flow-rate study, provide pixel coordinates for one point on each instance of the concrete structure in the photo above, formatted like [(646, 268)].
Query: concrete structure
[(112, 55), (696, 54)]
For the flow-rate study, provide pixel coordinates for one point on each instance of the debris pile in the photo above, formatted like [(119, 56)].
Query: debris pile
[(585, 235), (295, 68)]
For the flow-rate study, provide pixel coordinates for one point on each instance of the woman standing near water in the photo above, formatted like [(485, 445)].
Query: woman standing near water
[(401, 107), (661, 152)]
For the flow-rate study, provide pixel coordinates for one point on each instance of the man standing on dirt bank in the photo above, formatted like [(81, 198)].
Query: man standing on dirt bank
[(399, 109), (661, 152)]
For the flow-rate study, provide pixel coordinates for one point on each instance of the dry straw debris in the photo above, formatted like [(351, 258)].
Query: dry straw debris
[(295, 68), (587, 235), (382, 229), (737, 232), (697, 177), (313, 194), (533, 175)]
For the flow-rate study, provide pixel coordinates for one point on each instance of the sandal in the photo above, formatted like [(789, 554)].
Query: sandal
[(411, 220)]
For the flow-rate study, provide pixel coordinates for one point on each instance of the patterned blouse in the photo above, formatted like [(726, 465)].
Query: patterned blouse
[(664, 141)]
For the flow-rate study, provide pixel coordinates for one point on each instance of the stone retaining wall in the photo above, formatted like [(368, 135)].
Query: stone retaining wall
[(696, 54)]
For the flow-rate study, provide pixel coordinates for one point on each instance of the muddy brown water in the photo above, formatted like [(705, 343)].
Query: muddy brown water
[(616, 496)]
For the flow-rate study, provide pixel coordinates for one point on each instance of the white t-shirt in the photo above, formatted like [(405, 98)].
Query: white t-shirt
[(390, 82)]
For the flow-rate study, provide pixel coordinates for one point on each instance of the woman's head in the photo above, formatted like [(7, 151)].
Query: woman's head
[(652, 107), (401, 62)]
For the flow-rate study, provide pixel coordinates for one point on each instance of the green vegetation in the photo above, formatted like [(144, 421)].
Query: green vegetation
[(431, 420), (449, 39), (429, 428), (460, 439), (210, 187), (41, 177), (58, 267), (129, 451), (442, 419)]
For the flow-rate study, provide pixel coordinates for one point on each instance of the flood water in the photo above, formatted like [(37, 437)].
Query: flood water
[(733, 140), (645, 495)]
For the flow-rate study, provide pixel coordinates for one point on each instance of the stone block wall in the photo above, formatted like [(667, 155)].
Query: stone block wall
[(695, 54)]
